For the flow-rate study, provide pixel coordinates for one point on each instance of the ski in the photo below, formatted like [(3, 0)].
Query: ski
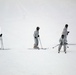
[(38, 49), (5, 49)]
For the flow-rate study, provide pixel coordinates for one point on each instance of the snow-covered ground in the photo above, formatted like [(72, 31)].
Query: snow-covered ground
[(37, 62)]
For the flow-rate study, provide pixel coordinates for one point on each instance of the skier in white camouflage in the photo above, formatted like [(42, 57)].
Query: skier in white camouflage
[(63, 42), (36, 35), (1, 39), (65, 32), (63, 39)]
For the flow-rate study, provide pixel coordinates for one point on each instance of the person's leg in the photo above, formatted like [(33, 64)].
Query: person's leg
[(2, 47), (59, 48), (65, 48), (36, 43)]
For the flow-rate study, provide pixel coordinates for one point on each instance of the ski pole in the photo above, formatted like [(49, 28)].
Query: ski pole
[(40, 42), (55, 46), (70, 44)]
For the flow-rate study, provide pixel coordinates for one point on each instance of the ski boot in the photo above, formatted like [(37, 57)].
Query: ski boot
[(65, 52), (35, 47)]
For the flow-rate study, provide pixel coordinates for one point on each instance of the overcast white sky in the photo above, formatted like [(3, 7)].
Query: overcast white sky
[(19, 18)]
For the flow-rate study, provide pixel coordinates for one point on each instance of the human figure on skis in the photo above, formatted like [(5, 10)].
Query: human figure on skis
[(63, 39), (36, 36), (65, 31), (63, 42), (1, 40)]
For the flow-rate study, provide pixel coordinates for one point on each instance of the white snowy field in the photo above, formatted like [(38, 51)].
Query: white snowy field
[(37, 62)]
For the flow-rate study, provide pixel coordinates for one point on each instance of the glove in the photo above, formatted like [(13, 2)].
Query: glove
[(67, 32), (38, 35), (35, 37), (0, 35)]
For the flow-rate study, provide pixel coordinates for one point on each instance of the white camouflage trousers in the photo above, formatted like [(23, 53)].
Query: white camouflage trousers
[(36, 42), (59, 48)]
